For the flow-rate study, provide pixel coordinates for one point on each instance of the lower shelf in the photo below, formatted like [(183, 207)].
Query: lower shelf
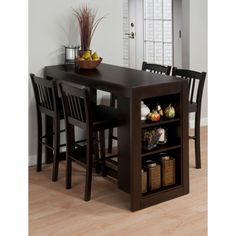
[(171, 187), (162, 196)]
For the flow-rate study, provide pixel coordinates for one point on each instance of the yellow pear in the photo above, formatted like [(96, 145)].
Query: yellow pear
[(81, 59), (95, 56), (86, 55)]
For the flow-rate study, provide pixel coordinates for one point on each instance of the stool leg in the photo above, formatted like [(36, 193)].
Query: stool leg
[(110, 140), (39, 145), (49, 139), (197, 141), (89, 165), (102, 152), (113, 100), (56, 143), (96, 153), (69, 147)]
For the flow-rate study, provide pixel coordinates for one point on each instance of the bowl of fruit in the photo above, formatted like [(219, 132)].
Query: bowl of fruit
[(88, 60)]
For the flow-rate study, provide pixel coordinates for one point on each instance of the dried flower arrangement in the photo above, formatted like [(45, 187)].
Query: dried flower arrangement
[(153, 137), (87, 24)]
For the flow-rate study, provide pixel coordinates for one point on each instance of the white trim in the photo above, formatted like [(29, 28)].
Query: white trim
[(204, 122), (33, 159)]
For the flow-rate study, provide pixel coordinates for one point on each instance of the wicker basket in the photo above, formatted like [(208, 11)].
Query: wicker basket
[(88, 64), (168, 171), (154, 177), (144, 181)]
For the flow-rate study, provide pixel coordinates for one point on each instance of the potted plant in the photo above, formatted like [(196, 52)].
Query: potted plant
[(88, 23)]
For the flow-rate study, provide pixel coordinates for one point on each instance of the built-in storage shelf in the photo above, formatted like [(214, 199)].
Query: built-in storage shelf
[(162, 196), (163, 121), (161, 148), (157, 174), (155, 192)]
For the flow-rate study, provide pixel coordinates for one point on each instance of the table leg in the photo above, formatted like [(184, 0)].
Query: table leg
[(93, 95), (129, 149), (123, 131)]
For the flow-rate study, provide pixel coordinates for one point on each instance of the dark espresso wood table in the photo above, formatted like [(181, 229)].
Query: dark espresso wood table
[(130, 87)]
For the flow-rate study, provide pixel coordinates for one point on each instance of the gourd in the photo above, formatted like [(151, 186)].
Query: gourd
[(170, 111), (159, 110), (154, 116)]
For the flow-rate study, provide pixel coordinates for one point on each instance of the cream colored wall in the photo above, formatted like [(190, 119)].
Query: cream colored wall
[(52, 25), (198, 46)]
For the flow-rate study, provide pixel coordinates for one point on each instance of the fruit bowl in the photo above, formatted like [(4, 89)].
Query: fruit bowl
[(88, 64)]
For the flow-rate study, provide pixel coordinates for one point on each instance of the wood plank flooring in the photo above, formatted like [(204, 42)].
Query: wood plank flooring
[(55, 211)]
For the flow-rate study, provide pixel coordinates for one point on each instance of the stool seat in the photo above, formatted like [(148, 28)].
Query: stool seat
[(104, 117)]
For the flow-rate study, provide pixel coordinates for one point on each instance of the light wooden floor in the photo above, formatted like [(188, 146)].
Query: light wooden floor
[(53, 210)]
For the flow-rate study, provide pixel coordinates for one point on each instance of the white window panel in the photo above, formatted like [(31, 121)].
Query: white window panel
[(167, 9), (167, 54), (158, 9), (158, 30), (149, 51), (149, 9), (159, 53), (167, 29), (149, 26)]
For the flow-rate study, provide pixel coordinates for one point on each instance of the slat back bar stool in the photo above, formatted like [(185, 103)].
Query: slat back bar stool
[(149, 67), (196, 82), (47, 103), (79, 112), (156, 68)]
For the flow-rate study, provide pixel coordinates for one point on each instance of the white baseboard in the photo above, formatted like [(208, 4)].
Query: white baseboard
[(33, 159), (204, 122)]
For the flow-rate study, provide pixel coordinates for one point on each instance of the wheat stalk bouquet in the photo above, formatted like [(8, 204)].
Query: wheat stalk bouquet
[(87, 25)]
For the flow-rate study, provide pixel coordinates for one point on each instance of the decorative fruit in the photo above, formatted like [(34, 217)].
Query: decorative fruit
[(159, 110), (86, 55), (95, 56), (170, 112), (154, 116)]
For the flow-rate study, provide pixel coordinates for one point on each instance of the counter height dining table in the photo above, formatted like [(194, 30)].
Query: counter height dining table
[(130, 86)]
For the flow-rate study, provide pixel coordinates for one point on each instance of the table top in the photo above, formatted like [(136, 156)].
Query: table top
[(108, 77)]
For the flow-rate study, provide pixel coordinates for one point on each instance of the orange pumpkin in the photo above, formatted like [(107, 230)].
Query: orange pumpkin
[(154, 116)]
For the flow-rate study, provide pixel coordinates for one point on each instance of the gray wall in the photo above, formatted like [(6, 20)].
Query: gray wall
[(198, 45), (194, 44)]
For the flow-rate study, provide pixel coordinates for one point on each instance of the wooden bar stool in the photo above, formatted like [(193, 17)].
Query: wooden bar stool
[(196, 82), (47, 103), (80, 112)]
